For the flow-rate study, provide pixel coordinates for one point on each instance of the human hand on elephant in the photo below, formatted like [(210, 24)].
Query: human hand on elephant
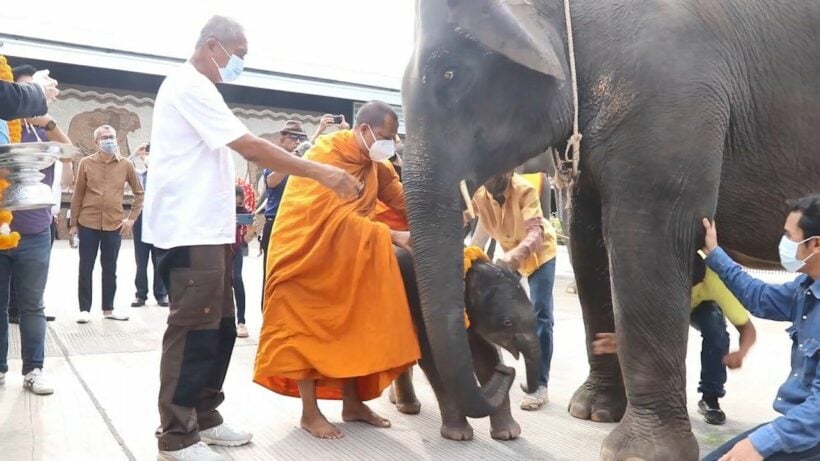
[(402, 240), (604, 343), (710, 241)]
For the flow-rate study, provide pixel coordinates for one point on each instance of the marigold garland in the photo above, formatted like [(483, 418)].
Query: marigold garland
[(8, 239), (471, 255), (15, 126)]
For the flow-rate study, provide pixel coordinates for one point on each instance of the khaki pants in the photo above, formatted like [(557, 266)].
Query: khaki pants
[(198, 342)]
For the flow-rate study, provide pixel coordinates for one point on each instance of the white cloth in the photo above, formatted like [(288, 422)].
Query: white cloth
[(57, 188), (190, 197)]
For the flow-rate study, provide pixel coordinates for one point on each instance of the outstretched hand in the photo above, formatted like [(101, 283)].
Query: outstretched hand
[(604, 344), (710, 241)]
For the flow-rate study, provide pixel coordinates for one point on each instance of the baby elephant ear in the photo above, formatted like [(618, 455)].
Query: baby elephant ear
[(513, 28)]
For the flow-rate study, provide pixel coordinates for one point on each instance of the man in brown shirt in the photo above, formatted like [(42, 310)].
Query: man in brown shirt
[(98, 218)]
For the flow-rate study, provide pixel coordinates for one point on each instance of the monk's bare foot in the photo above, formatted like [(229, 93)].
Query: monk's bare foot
[(363, 413), (318, 426)]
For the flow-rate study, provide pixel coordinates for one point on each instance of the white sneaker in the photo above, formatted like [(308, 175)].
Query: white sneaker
[(84, 317), (225, 436), (115, 315), (532, 402), (196, 452), (35, 382), (242, 331)]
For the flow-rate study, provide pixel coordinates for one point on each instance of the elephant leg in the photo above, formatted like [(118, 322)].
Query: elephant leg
[(601, 397), (403, 394), (486, 358), (652, 210)]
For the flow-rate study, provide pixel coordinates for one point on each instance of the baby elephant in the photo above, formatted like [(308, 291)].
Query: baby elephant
[(500, 314)]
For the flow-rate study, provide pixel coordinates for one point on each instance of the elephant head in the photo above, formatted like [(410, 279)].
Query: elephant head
[(500, 312), (484, 91)]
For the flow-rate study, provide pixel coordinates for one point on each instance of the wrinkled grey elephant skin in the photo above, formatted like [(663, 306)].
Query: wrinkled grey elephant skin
[(688, 109)]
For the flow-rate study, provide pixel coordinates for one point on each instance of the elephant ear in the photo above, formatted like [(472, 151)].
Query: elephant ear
[(516, 29)]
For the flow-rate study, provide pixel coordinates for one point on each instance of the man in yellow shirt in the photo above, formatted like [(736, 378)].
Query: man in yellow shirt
[(711, 302), (509, 210)]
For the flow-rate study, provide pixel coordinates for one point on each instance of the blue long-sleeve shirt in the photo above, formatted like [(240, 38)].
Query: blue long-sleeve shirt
[(798, 399)]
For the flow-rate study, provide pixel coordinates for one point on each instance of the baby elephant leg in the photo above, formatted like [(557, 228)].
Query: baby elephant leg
[(485, 359)]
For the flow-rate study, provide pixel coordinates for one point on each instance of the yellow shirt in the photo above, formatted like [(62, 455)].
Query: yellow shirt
[(713, 289), (507, 224)]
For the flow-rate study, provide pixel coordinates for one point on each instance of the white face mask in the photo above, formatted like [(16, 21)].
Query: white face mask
[(788, 254), (382, 149)]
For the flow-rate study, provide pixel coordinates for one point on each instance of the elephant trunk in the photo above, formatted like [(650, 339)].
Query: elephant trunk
[(435, 216), (531, 350)]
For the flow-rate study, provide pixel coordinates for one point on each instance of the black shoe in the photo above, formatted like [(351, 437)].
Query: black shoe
[(14, 318), (163, 301), (711, 412), (50, 318), (138, 302)]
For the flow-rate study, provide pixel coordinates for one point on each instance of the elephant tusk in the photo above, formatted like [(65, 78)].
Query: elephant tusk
[(465, 194)]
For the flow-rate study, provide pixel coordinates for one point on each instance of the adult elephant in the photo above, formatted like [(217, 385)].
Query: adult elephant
[(688, 108)]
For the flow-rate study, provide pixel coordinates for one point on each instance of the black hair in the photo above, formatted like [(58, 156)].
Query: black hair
[(240, 192), (374, 113), (23, 71), (809, 208)]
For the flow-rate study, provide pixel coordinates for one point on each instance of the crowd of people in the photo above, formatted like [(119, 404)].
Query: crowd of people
[(343, 201)]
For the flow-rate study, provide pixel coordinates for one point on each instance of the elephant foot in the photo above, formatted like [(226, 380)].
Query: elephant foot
[(648, 441), (404, 397), (599, 402), (506, 430), (458, 431)]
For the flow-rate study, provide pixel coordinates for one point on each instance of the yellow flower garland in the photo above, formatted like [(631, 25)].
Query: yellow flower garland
[(471, 255), (8, 239), (15, 126)]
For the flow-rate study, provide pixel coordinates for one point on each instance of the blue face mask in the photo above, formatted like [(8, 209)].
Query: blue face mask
[(108, 146), (232, 69), (788, 254)]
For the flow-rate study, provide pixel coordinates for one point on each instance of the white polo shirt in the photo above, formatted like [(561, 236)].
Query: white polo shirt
[(190, 195)]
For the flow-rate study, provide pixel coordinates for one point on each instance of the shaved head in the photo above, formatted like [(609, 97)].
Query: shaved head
[(376, 114)]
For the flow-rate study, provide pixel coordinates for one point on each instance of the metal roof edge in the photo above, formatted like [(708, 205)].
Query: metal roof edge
[(46, 50)]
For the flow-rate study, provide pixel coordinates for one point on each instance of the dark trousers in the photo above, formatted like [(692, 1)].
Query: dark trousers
[(13, 312), (198, 342), (811, 454), (541, 283), (266, 231), (108, 245), (708, 319), (239, 284), (142, 252), (25, 268)]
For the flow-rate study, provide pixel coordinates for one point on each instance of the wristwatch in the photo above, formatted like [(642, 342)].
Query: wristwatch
[(50, 125)]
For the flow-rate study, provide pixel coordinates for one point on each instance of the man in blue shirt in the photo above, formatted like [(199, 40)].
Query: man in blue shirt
[(796, 434), (291, 135)]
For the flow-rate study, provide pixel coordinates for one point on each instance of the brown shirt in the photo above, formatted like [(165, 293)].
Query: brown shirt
[(99, 192)]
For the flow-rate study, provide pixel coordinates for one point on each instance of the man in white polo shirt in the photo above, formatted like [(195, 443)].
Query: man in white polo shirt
[(190, 214)]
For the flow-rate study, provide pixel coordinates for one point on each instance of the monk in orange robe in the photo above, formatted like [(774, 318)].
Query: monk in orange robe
[(336, 320)]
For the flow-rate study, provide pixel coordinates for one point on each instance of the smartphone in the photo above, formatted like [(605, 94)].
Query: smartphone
[(243, 219), (338, 119), (148, 147)]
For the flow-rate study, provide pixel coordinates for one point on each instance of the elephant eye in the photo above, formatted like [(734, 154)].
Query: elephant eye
[(508, 323), (449, 75)]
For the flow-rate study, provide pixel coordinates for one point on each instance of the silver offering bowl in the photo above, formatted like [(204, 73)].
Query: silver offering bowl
[(22, 164)]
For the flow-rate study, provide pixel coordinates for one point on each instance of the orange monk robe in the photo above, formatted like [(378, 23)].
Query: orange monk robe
[(335, 305), (395, 218)]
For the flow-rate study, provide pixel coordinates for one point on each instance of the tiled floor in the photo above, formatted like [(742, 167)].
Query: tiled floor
[(106, 379)]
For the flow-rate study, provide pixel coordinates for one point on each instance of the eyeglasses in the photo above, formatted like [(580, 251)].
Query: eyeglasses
[(296, 137)]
